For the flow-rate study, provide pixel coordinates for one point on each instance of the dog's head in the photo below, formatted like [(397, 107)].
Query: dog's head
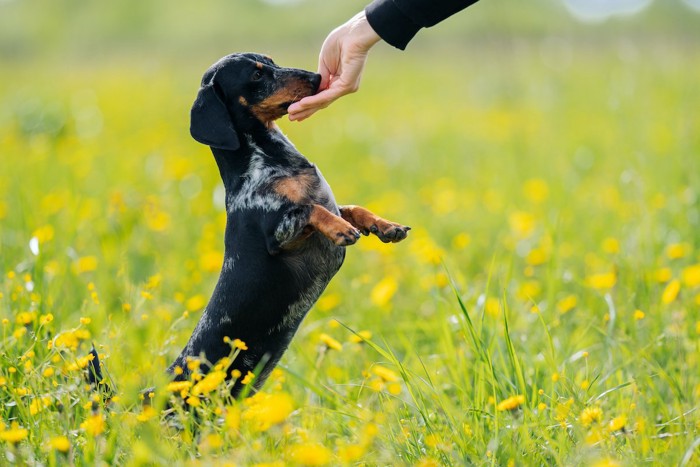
[(242, 88)]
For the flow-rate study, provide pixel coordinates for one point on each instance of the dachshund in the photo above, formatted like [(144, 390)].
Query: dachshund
[(285, 235)]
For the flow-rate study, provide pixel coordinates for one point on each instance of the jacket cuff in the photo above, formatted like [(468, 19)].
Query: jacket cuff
[(390, 23)]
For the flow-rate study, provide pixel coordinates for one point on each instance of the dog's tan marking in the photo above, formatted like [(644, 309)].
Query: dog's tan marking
[(333, 227), (258, 65), (242, 100), (295, 189), (273, 106)]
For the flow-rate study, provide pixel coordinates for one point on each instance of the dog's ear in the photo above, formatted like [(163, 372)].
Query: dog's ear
[(210, 122)]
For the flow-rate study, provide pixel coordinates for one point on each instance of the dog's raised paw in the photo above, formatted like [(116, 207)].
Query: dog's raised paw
[(389, 232), (347, 237)]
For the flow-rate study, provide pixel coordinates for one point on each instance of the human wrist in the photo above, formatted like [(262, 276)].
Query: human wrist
[(363, 32)]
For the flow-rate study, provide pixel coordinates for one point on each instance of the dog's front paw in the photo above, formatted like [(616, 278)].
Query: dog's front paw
[(346, 237), (389, 232)]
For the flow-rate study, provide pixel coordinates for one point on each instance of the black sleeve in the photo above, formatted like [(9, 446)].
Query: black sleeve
[(397, 21)]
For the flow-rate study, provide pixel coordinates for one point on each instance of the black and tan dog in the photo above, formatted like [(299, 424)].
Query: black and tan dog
[(285, 235)]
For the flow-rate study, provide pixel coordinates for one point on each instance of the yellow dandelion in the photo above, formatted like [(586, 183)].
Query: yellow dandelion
[(536, 190), (196, 302), (611, 246), (193, 401), (328, 301), (60, 444), (492, 307), (662, 275), (511, 403), (351, 453), (310, 454), (602, 281), (250, 376), (607, 462), (232, 419), (385, 374), (329, 342), (85, 320), (678, 250), (239, 344), (617, 423), (94, 425), (590, 415), (691, 276), (209, 383), (522, 224), (85, 264), (146, 414), (265, 410), (461, 241), (45, 319), (536, 257), (14, 435), (384, 291), (638, 315), (178, 386), (671, 292), (360, 337), (567, 304)]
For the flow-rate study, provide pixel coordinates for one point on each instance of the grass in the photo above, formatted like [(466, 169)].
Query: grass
[(544, 310)]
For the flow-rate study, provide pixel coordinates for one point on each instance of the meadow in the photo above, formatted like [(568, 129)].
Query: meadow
[(545, 309)]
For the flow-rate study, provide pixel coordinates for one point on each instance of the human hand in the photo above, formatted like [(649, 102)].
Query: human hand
[(340, 64)]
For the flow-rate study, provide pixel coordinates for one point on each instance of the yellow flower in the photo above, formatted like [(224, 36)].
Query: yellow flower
[(638, 315), (492, 307), (677, 250), (590, 415), (617, 423), (351, 453), (567, 304), (602, 281), (385, 374), (383, 291), (328, 301), (671, 292), (239, 344), (94, 425), (85, 264), (611, 246), (85, 321), (146, 414), (511, 403), (195, 303), (360, 337), (522, 224), (691, 275), (193, 401), (45, 319), (536, 190), (14, 435), (329, 342), (309, 454), (209, 383), (606, 463), (248, 377), (265, 410), (663, 275), (60, 444), (25, 317)]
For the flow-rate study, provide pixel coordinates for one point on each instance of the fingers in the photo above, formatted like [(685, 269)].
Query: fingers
[(312, 104)]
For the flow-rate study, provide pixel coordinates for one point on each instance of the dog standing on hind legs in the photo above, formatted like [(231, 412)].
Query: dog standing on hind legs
[(285, 235)]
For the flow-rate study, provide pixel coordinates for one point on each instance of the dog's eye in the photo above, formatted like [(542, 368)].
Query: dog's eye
[(257, 75)]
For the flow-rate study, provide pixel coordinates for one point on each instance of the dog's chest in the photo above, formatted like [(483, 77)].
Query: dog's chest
[(268, 184)]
